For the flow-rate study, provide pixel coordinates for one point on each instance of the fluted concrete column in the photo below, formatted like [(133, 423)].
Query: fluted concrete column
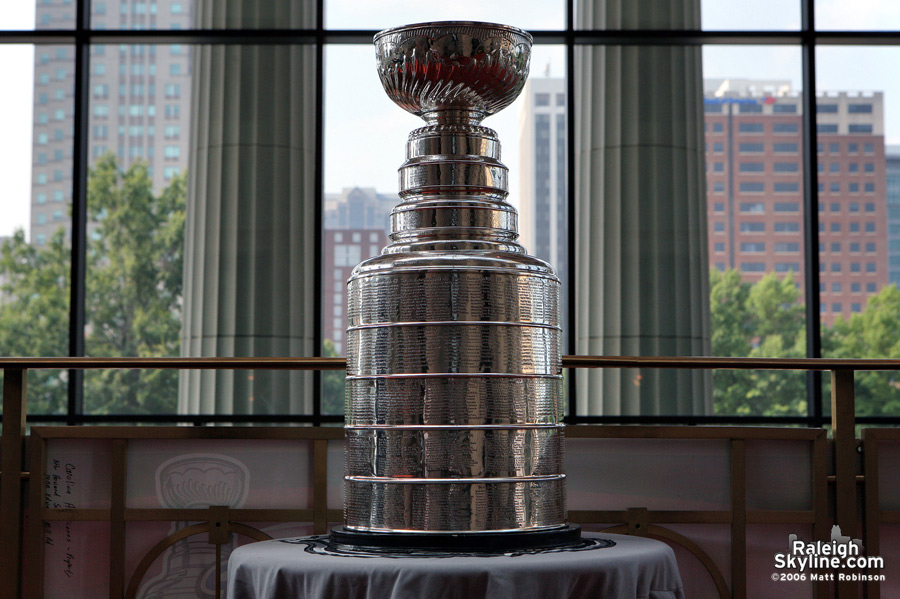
[(250, 231), (642, 284)]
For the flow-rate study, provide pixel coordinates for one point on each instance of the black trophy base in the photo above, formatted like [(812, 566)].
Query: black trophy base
[(472, 542)]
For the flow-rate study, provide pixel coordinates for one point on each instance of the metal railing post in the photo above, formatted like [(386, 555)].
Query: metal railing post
[(11, 482), (843, 427)]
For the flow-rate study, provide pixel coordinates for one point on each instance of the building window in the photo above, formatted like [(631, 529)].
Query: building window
[(751, 148), (826, 128), (870, 227), (791, 227), (789, 187), (826, 108), (750, 128), (853, 188), (784, 148), (719, 227), (834, 187), (787, 247), (870, 267), (784, 109), (784, 128), (860, 128), (836, 246), (719, 247), (752, 187), (869, 188), (785, 167), (869, 167), (787, 207), (719, 207), (748, 167), (750, 108), (859, 108), (752, 227), (719, 167), (752, 207), (718, 128)]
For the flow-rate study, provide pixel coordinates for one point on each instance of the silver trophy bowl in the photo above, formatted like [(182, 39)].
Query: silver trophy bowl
[(453, 401)]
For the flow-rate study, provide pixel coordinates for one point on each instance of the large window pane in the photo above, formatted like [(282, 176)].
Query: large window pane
[(366, 144), (859, 223), (843, 15), (139, 130), (729, 15), (36, 167), (528, 14), (753, 111)]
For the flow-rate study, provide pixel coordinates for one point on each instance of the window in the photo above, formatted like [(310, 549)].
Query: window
[(784, 109), (750, 108), (719, 167), (787, 207), (719, 207), (785, 167), (870, 287), (171, 152), (719, 227), (835, 207), (784, 148), (826, 128), (852, 148), (870, 227), (791, 227), (868, 148), (718, 187), (836, 246), (854, 228), (787, 267), (712, 108), (752, 187), (854, 267), (870, 247), (750, 128), (718, 127), (870, 207), (869, 188), (790, 187), (748, 148), (787, 247), (542, 99), (855, 287), (749, 167), (835, 267), (834, 187), (869, 167), (870, 267), (753, 267), (853, 188), (754, 207), (784, 128), (752, 227), (719, 247), (826, 108), (836, 307), (718, 147), (860, 128), (859, 108)]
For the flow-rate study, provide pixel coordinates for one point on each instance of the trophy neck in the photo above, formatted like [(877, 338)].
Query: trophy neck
[(453, 186), (453, 116)]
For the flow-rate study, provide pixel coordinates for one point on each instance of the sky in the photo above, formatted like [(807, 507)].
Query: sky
[(366, 133)]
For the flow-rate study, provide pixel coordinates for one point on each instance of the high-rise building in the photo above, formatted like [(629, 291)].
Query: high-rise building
[(359, 208), (892, 168), (543, 203), (755, 188), (343, 249), (139, 102)]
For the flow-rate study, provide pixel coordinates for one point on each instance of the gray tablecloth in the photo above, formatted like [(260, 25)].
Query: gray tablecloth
[(305, 568)]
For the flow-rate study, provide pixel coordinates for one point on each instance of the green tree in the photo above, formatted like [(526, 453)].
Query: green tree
[(332, 383), (34, 313), (873, 333), (134, 283), (133, 298), (764, 319)]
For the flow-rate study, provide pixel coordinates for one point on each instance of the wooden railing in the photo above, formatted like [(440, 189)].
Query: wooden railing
[(843, 423)]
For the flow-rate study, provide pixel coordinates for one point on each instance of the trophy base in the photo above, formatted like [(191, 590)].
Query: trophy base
[(473, 542)]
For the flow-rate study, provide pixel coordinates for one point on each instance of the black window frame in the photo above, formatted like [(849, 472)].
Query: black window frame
[(807, 38)]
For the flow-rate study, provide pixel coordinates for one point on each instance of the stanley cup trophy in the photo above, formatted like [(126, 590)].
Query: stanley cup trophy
[(454, 375)]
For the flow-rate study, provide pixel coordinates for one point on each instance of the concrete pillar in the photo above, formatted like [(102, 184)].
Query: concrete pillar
[(250, 231), (642, 285)]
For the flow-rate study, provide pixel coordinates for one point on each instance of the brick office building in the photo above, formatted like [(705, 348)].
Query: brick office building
[(755, 186)]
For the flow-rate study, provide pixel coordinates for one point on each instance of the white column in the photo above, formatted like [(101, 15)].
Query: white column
[(250, 231), (642, 267)]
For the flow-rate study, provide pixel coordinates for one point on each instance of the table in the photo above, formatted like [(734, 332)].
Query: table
[(305, 568)]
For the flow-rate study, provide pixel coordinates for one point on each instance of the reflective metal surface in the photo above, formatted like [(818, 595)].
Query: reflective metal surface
[(453, 350)]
